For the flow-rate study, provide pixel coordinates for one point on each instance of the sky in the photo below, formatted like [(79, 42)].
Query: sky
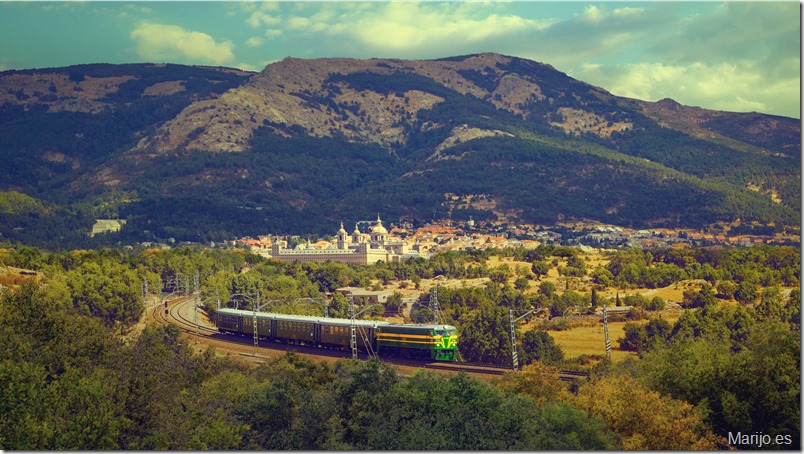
[(736, 56)]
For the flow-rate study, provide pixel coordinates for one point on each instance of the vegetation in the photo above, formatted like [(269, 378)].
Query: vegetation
[(70, 384), (696, 381)]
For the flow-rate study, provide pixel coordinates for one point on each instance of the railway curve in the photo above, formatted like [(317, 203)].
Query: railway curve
[(180, 313)]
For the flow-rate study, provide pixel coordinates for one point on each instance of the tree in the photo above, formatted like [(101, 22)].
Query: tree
[(602, 276), (644, 419), (109, 291), (746, 292), (394, 301), (700, 298), (537, 380), (485, 335), (657, 303), (645, 337), (727, 288), (339, 306), (547, 288), (732, 386), (540, 268), (792, 312), (540, 346), (770, 305), (499, 275)]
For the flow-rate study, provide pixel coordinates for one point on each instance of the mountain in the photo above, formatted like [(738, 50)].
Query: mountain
[(203, 153)]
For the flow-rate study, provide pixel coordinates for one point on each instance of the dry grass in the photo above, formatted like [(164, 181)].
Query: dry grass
[(590, 340)]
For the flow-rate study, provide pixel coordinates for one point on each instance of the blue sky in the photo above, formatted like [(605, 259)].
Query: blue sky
[(735, 56)]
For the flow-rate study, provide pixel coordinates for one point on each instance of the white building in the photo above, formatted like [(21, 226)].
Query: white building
[(357, 248)]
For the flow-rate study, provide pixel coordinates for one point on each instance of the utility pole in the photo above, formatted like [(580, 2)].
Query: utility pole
[(514, 356), (434, 306), (606, 333), (256, 334), (353, 335), (195, 312)]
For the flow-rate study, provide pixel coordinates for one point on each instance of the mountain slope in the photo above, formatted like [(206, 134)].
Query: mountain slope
[(205, 152)]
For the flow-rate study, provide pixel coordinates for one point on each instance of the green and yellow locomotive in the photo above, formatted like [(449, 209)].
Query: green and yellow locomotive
[(436, 342)]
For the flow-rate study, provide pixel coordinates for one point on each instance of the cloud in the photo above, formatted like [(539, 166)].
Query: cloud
[(734, 55), (163, 42), (260, 18), (254, 41), (720, 86), (398, 29)]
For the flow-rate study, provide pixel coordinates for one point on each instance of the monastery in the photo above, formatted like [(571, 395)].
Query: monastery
[(357, 248)]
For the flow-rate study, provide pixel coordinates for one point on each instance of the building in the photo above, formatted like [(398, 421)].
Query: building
[(107, 225), (357, 248), (362, 296)]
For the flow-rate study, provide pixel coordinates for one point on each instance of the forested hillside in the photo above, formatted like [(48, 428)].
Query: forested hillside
[(210, 153)]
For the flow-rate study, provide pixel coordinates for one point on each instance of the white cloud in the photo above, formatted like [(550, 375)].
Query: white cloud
[(592, 13), (645, 81), (740, 87), (163, 42), (260, 18), (413, 25), (396, 28), (628, 11), (254, 41), (247, 67)]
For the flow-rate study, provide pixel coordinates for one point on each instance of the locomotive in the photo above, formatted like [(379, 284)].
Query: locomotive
[(422, 341)]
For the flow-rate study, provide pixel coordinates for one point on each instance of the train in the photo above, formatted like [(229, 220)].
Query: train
[(419, 341)]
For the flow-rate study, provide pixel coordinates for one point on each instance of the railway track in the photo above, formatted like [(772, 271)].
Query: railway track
[(180, 315)]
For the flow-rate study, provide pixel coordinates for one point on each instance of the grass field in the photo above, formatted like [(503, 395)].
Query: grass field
[(586, 337)]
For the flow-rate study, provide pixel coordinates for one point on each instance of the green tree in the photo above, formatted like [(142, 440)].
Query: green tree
[(602, 276), (727, 288), (394, 301), (746, 292), (485, 335), (645, 337), (540, 268), (731, 386), (521, 284), (700, 298), (770, 305), (109, 291), (792, 311), (540, 346)]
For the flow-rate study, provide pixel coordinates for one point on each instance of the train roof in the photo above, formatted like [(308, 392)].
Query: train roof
[(424, 325), (304, 318), (328, 320)]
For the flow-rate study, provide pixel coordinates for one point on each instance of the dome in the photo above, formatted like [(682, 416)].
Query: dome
[(378, 228), (341, 231)]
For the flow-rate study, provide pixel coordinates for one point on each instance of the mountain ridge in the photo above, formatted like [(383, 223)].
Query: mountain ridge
[(306, 139)]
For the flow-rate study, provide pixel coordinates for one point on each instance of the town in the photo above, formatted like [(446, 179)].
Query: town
[(403, 241)]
